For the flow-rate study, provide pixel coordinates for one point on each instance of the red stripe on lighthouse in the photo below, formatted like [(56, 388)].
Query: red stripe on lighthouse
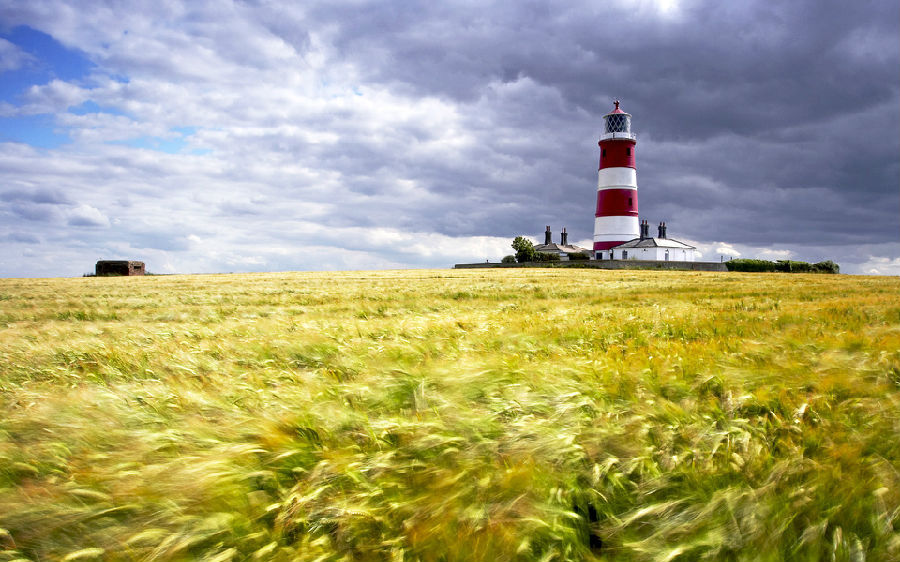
[(617, 153), (617, 202), (606, 245)]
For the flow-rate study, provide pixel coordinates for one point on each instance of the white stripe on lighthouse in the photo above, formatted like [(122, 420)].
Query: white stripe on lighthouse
[(611, 229), (617, 177)]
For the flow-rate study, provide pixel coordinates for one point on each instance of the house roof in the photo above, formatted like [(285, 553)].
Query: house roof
[(654, 243), (568, 248)]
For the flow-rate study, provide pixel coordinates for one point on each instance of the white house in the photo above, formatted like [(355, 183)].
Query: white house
[(650, 249)]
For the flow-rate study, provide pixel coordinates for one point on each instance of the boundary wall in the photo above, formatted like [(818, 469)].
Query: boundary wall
[(608, 264)]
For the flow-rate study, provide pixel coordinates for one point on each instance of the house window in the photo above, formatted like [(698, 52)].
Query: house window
[(667, 255), (624, 254)]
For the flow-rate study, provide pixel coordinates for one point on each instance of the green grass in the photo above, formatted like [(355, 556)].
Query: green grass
[(517, 414)]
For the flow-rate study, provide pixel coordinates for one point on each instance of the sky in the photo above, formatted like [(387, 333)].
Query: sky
[(232, 136)]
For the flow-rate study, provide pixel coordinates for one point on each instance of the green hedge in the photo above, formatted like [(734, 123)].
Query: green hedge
[(750, 265), (546, 256), (826, 266), (787, 266)]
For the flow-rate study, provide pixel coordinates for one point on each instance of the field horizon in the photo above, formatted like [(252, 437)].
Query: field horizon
[(498, 414)]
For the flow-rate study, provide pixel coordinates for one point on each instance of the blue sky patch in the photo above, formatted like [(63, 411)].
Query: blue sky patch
[(173, 145), (91, 106), (36, 130), (169, 146), (52, 61)]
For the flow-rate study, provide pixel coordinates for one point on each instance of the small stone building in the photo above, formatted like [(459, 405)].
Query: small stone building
[(124, 268)]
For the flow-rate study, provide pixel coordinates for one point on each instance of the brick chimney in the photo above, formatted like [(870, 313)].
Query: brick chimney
[(564, 238), (548, 238), (662, 230)]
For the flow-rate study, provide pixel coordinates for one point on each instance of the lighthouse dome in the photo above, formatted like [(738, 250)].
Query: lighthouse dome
[(617, 125)]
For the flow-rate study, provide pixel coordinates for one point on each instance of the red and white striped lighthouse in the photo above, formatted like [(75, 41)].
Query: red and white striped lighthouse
[(616, 219)]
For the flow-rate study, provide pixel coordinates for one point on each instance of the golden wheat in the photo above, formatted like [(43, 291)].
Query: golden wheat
[(450, 415)]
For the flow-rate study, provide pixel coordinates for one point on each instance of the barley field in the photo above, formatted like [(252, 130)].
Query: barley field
[(483, 415)]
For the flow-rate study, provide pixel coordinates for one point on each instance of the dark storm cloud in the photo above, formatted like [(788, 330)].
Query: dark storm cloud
[(751, 64), (789, 109)]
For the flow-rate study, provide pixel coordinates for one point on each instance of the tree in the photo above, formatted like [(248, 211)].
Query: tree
[(524, 249), (508, 259)]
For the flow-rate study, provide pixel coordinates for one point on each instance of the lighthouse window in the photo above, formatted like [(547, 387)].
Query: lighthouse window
[(628, 151), (603, 152), (629, 202), (616, 123)]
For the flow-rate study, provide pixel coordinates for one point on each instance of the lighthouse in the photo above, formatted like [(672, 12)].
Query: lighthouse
[(616, 218)]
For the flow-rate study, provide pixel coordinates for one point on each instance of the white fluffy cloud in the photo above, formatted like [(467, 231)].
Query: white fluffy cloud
[(726, 249), (879, 265), (86, 216)]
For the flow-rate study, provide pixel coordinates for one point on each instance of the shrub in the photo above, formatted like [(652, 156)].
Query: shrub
[(524, 249), (579, 256), (750, 265), (827, 266), (786, 266), (508, 259), (789, 266), (546, 256)]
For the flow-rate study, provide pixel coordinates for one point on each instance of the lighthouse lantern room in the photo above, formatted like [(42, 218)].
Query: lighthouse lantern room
[(616, 218)]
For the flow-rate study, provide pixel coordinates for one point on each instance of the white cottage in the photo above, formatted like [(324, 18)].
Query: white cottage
[(650, 249)]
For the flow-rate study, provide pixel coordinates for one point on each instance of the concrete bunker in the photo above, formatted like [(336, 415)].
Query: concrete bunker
[(124, 268)]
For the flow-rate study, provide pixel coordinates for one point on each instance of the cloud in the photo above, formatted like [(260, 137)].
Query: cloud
[(40, 195), (881, 265), (727, 250), (87, 216), (12, 57), (295, 137), (54, 97), (15, 237)]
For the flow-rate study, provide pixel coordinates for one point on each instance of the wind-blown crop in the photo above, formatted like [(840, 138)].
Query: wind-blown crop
[(451, 415)]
